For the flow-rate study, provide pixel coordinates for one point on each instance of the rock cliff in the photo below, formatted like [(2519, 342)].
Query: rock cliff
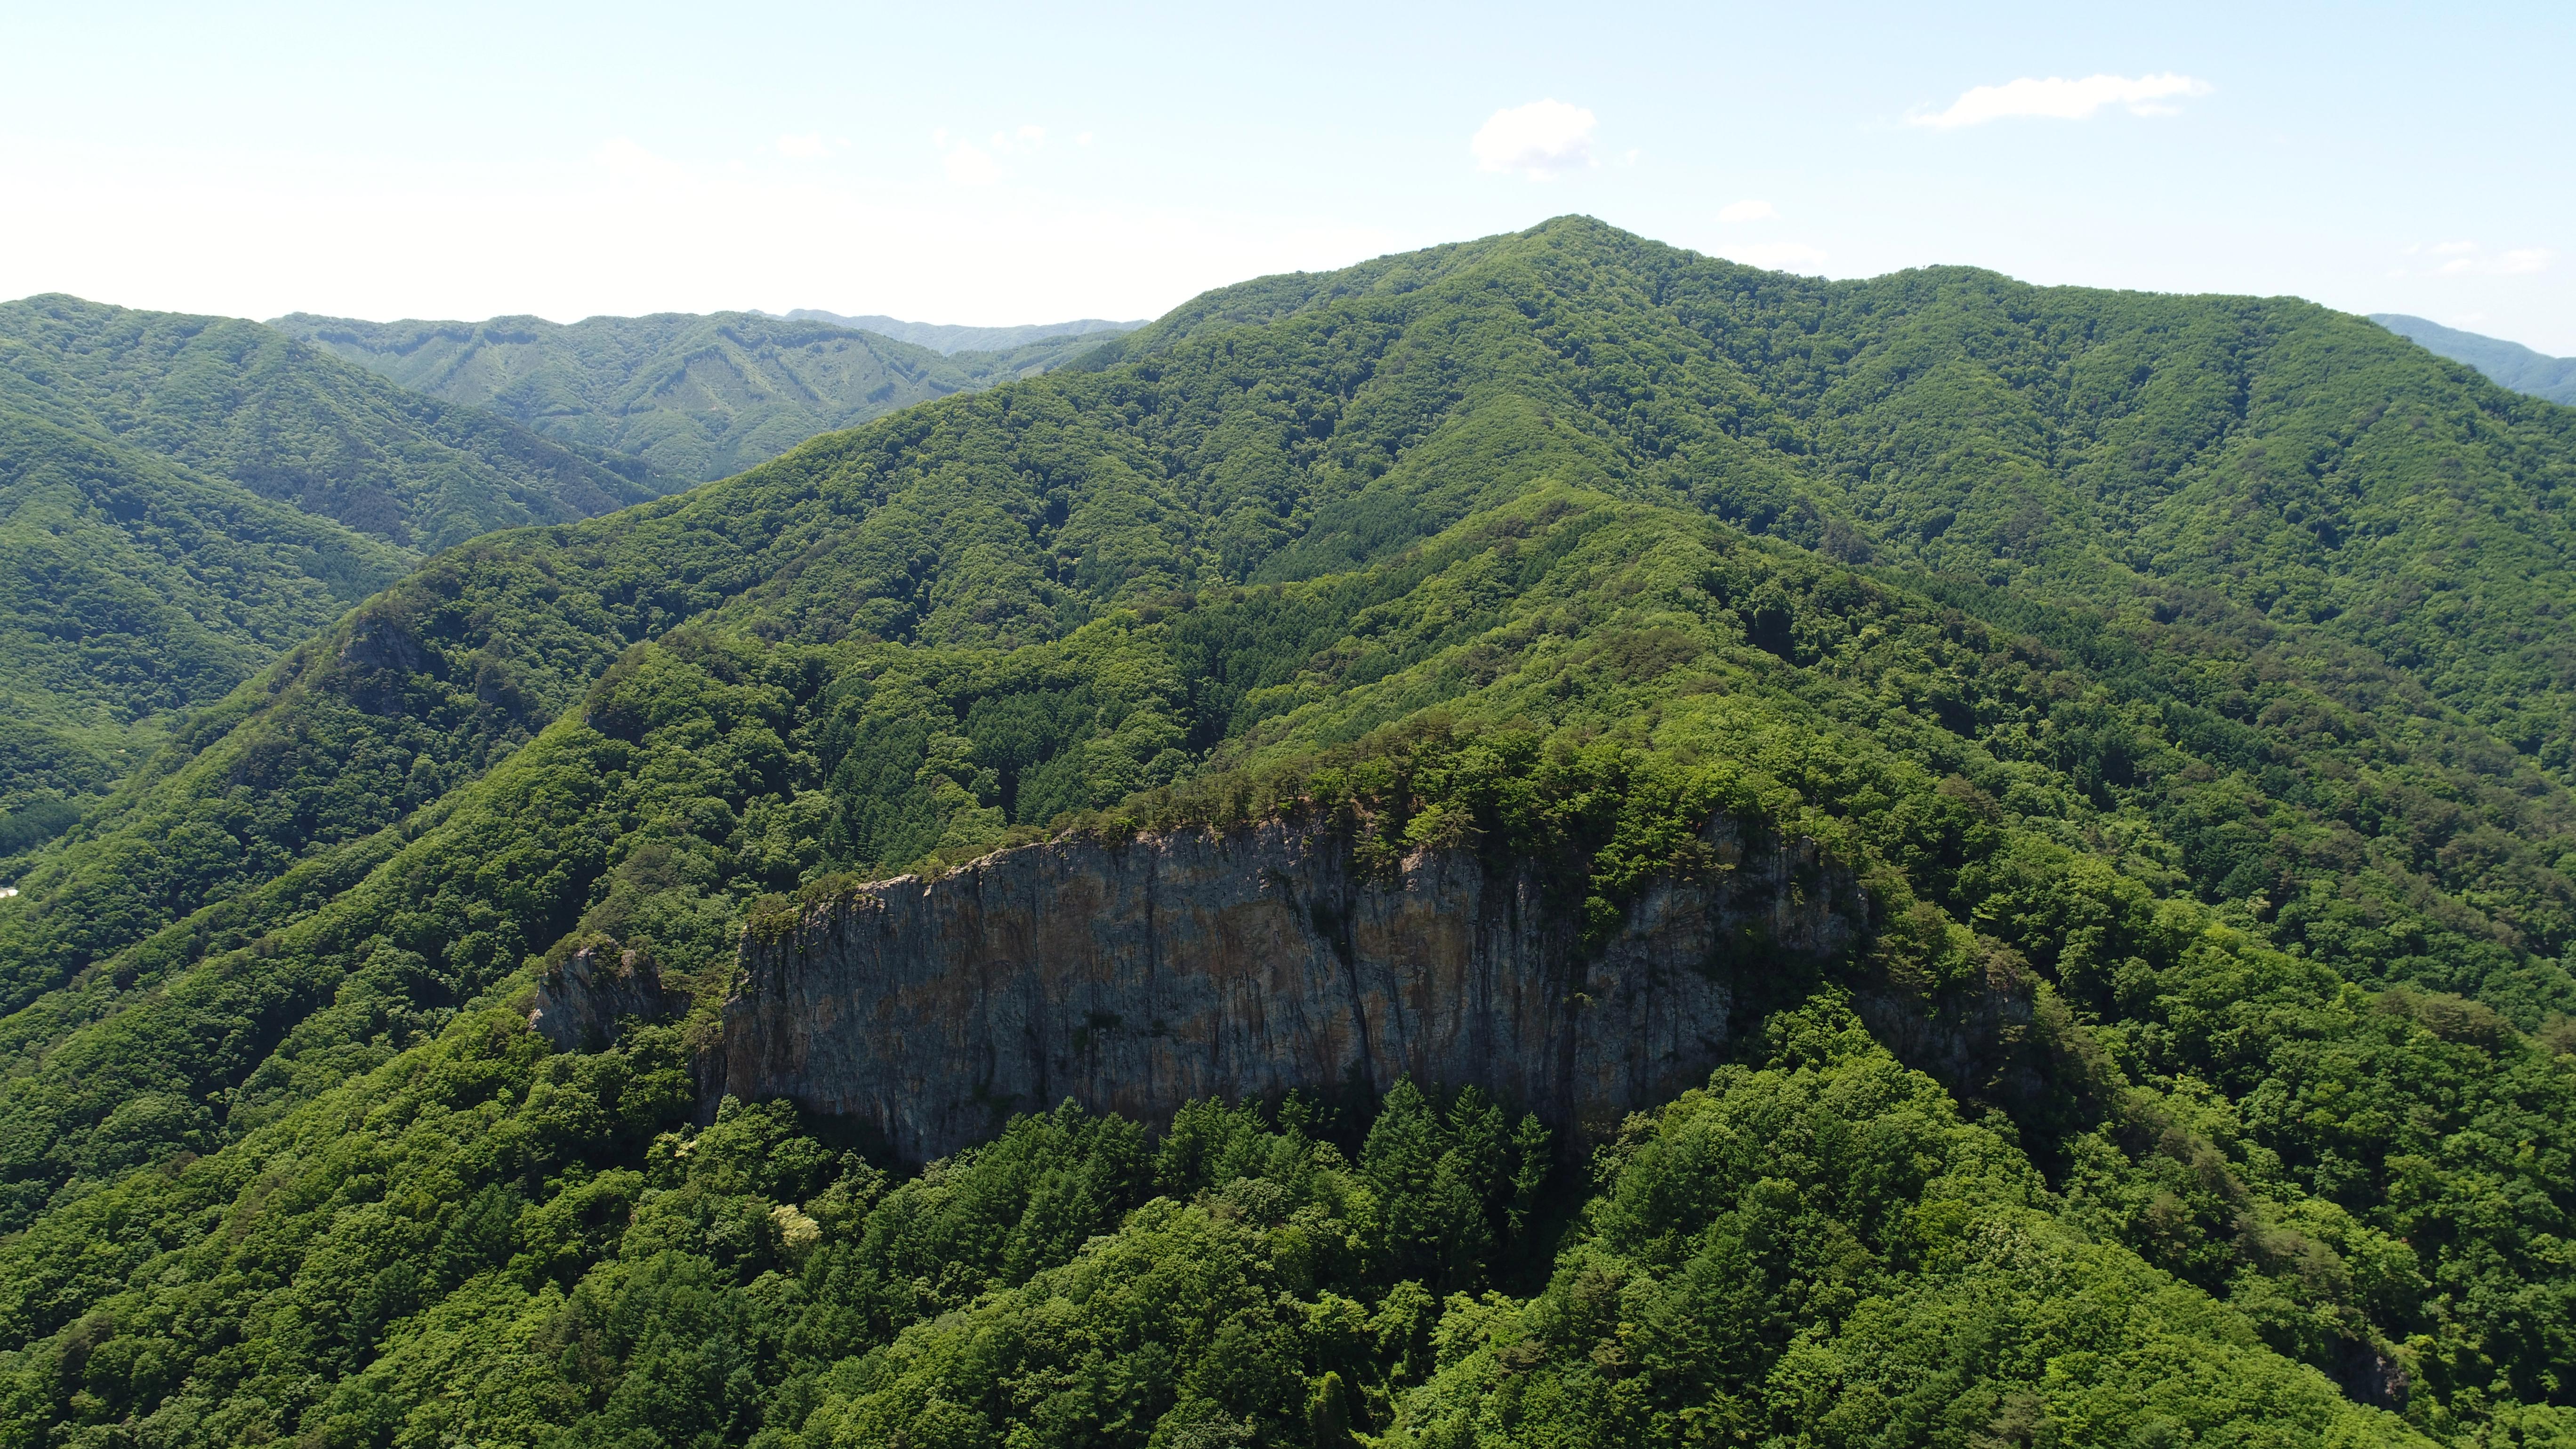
[(1138, 975), (581, 999)]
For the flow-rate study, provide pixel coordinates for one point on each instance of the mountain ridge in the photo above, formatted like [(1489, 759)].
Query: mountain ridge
[(695, 396), (948, 340), (2510, 364), (145, 377), (2180, 670), (182, 498)]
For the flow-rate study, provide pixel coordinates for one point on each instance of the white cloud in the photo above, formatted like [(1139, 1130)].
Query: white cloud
[(1025, 138), (2467, 259), (1541, 140), (1748, 210), (970, 165), (809, 144), (622, 157), (1779, 256), (2065, 100)]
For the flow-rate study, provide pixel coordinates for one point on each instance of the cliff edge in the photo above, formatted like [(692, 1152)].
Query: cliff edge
[(1134, 976)]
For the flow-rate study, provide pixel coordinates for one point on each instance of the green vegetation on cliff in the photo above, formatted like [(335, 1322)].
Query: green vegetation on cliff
[(2184, 669), (694, 396)]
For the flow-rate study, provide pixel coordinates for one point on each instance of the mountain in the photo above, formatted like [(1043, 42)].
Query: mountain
[(948, 340), (695, 397), (131, 590), (1920, 860), (183, 498), (289, 422), (2509, 363)]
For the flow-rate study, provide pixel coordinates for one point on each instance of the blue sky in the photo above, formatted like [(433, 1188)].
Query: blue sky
[(1013, 164)]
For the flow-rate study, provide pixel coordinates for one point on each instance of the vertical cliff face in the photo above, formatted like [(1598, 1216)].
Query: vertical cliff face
[(581, 1000), (1136, 976)]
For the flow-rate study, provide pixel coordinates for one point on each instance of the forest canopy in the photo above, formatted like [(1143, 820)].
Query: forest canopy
[(2189, 671), (182, 499)]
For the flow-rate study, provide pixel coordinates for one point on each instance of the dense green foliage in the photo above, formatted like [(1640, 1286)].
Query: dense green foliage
[(2510, 364), (2181, 669), (694, 396), (244, 403), (490, 1241), (183, 498), (1820, 1251), (130, 590)]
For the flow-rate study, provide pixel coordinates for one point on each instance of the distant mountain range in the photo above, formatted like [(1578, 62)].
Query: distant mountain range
[(183, 497), (2510, 364), (696, 396), (294, 425), (947, 340)]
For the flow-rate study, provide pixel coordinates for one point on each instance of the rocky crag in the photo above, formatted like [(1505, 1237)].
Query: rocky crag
[(581, 999), (1134, 976)]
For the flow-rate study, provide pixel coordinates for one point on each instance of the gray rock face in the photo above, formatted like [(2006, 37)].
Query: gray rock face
[(580, 1002), (1136, 976)]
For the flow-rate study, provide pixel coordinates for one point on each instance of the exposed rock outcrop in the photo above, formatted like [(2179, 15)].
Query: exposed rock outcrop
[(581, 999), (1136, 976)]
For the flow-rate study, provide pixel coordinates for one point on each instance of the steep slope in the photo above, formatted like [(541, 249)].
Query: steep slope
[(132, 590), (950, 340), (240, 402), (182, 498), (696, 397), (2510, 364), (2215, 877)]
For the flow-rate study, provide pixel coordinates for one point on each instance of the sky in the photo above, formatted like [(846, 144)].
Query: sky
[(1019, 164)]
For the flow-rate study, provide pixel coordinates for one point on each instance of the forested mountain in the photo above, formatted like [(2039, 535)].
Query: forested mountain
[(695, 396), (2509, 363), (182, 498), (947, 339), (130, 590), (2182, 681), (238, 401)]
